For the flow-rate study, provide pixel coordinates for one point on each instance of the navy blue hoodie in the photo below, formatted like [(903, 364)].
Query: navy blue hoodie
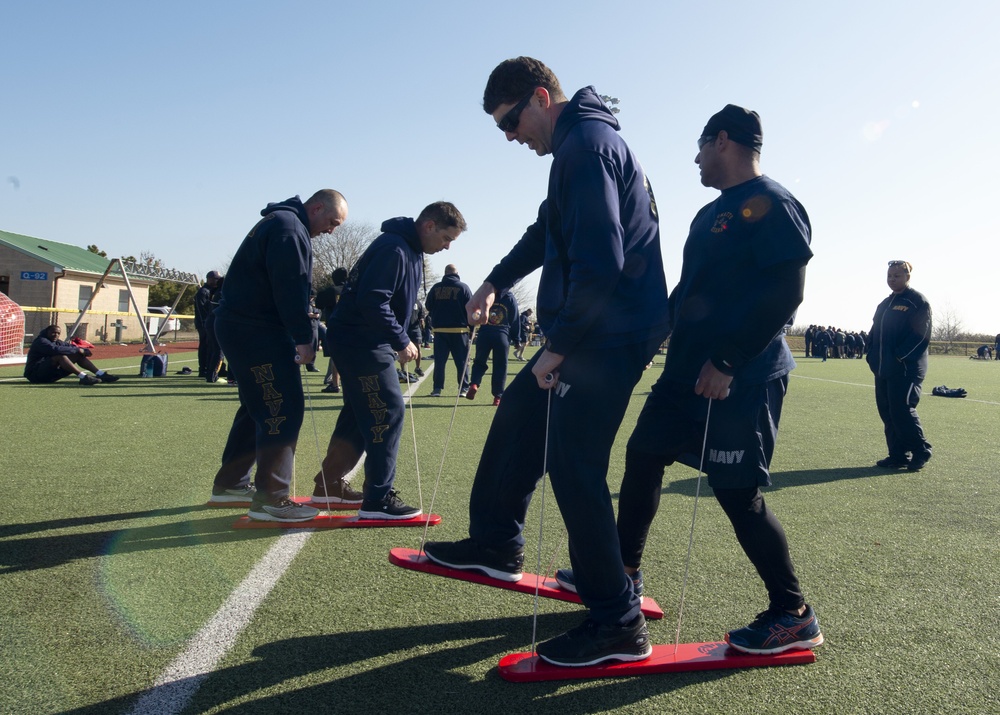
[(446, 303), (381, 289), (504, 318), (268, 282), (597, 239), (44, 348)]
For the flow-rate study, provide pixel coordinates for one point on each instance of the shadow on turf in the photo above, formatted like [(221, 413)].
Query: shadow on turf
[(421, 676), (786, 480), (42, 552)]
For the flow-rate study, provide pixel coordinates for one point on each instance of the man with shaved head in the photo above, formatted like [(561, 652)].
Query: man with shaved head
[(263, 326)]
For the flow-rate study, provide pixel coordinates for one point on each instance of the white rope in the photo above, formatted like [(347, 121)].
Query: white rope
[(413, 430), (550, 571), (447, 439), (541, 518), (694, 514), (319, 455)]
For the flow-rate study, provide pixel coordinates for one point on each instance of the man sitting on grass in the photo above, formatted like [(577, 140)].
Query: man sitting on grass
[(50, 360)]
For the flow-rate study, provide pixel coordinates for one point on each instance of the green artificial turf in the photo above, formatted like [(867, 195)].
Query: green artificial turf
[(110, 563)]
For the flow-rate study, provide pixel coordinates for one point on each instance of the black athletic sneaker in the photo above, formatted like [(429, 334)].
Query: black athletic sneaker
[(109, 378), (467, 555), (918, 461), (893, 463), (90, 380), (567, 582), (339, 492), (591, 643), (392, 507)]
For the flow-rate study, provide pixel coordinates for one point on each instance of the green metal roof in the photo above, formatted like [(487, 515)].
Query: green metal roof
[(61, 256)]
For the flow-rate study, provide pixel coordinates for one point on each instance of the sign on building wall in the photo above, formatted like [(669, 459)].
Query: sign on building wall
[(34, 276)]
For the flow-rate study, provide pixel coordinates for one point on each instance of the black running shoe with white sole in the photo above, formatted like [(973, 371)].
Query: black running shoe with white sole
[(591, 643), (567, 582), (392, 507), (467, 555)]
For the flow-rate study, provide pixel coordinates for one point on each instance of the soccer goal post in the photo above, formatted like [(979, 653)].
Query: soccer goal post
[(11, 332)]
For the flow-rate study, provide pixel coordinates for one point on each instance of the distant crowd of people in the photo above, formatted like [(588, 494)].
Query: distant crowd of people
[(832, 342)]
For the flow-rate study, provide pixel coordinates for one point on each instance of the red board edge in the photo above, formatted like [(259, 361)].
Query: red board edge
[(336, 521), (547, 587), (297, 500), (529, 668)]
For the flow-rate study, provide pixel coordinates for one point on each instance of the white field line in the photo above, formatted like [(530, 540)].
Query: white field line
[(838, 382), (178, 684), (872, 387)]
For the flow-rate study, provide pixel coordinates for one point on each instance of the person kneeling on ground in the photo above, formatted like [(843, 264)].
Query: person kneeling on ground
[(50, 360)]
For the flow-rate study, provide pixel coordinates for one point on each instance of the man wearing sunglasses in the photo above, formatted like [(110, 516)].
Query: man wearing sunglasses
[(602, 306)]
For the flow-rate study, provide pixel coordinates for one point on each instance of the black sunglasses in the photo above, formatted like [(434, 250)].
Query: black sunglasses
[(509, 121), (702, 141), (897, 263)]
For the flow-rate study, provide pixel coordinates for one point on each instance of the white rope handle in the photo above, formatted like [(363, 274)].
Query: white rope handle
[(694, 514), (541, 518), (319, 455), (413, 430), (447, 439)]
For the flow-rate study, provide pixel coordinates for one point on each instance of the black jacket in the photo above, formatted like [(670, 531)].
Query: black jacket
[(900, 334)]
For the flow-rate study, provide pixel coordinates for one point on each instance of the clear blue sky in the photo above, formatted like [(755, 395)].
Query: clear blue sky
[(166, 127)]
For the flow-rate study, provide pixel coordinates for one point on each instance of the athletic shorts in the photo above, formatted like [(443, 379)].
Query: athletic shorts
[(742, 430)]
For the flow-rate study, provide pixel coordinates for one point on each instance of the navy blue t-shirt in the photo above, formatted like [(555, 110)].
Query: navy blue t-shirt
[(749, 228)]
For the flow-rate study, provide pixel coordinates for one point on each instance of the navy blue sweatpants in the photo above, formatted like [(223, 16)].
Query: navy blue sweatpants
[(266, 427), (371, 420), (497, 343), (587, 407), (457, 346), (896, 399)]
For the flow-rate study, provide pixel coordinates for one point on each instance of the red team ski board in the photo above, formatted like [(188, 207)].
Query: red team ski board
[(547, 587), (336, 521), (529, 668), (297, 500)]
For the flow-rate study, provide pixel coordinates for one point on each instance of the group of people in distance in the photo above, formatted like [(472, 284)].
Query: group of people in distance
[(829, 341), (446, 305), (603, 308)]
